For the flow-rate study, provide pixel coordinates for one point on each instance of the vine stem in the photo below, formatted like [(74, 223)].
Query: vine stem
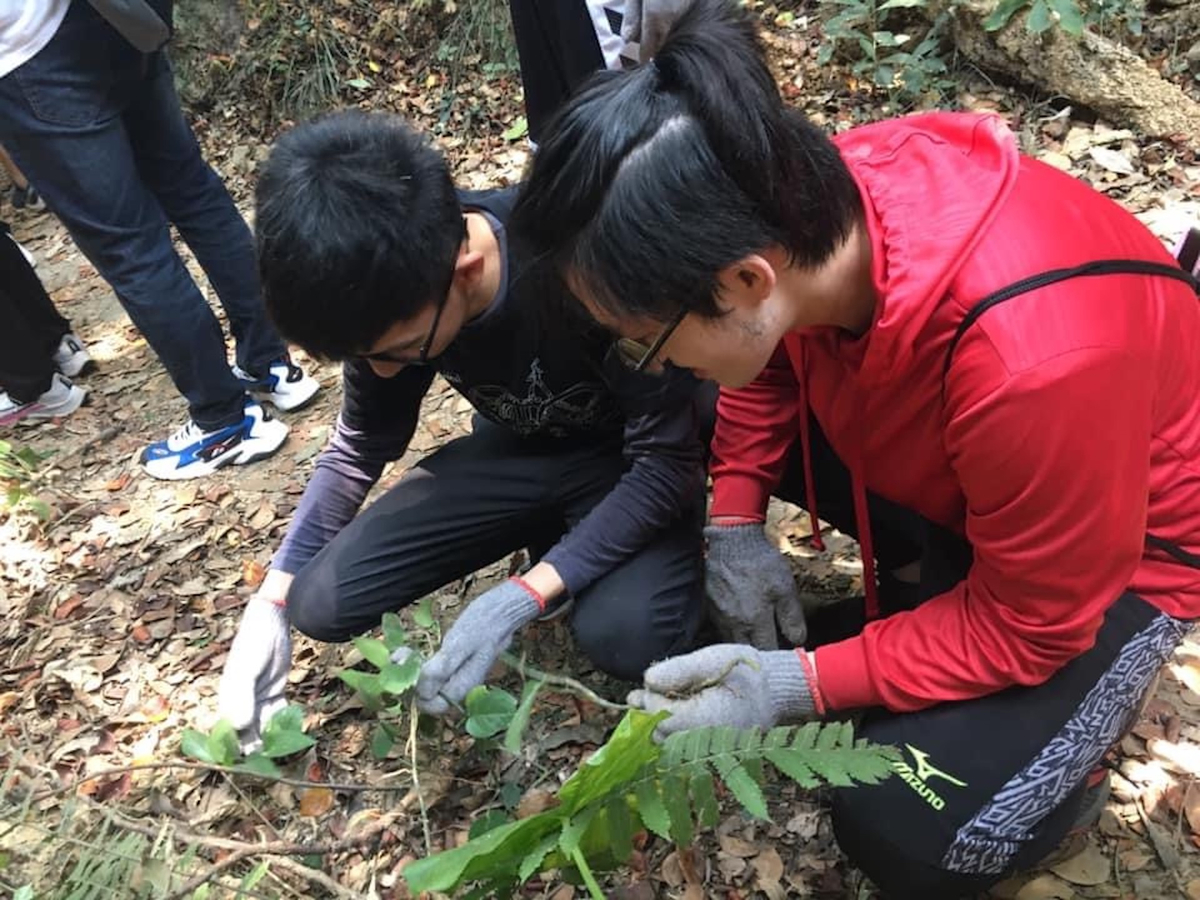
[(563, 681), (585, 870), (414, 714)]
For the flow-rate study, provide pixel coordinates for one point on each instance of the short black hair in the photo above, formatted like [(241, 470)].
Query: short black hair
[(358, 225), (650, 181)]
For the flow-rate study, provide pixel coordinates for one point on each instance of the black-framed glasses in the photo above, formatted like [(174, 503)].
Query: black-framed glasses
[(636, 355), (422, 359)]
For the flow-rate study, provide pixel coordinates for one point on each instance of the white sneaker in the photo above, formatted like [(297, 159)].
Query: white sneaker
[(61, 399), (72, 357), (192, 453), (285, 386)]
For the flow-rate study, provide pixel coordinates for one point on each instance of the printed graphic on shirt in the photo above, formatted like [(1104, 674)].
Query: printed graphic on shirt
[(918, 779), (541, 410)]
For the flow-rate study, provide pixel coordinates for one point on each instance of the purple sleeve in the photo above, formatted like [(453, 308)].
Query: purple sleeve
[(664, 480), (378, 418)]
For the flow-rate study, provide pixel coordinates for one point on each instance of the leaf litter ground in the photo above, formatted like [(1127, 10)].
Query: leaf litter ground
[(119, 609)]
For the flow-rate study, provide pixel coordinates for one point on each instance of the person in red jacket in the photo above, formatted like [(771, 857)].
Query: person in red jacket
[(983, 368)]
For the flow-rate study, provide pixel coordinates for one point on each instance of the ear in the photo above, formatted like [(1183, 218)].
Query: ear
[(747, 283), (468, 268)]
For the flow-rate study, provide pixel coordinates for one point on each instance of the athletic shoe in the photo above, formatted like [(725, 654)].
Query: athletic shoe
[(27, 198), (191, 452), (61, 399), (285, 386), (72, 357)]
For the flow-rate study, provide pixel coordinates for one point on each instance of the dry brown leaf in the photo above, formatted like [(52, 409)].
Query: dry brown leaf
[(315, 801), (1192, 889), (1088, 867), (118, 483), (535, 801), (735, 846), (141, 634), (1046, 887), (253, 572)]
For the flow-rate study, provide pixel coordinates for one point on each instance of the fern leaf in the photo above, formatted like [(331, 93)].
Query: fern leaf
[(805, 737), (675, 798), (792, 764), (834, 735), (704, 797), (743, 787), (651, 809)]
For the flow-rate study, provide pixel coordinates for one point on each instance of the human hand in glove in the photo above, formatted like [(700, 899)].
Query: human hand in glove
[(483, 631), (647, 22), (751, 588), (260, 658), (730, 685)]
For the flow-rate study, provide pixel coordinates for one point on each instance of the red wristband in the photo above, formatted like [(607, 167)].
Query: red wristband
[(810, 676), (541, 601)]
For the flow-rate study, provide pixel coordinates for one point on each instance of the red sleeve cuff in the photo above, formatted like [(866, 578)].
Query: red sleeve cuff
[(842, 668), (740, 495)]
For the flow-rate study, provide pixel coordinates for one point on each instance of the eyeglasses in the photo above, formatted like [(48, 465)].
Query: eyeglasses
[(422, 359), (636, 355)]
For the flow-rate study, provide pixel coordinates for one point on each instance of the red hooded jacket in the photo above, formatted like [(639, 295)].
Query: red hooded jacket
[(1069, 428)]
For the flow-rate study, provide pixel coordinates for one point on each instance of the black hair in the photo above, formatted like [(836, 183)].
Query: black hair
[(358, 226), (648, 182)]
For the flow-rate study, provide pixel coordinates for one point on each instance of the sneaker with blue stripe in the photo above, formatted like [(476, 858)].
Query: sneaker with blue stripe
[(192, 452), (284, 386)]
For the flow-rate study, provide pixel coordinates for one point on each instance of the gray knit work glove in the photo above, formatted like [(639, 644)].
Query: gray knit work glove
[(647, 22), (726, 684), (255, 675), (483, 631), (751, 588)]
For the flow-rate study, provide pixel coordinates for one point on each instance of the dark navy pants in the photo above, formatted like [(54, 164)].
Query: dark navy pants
[(97, 129)]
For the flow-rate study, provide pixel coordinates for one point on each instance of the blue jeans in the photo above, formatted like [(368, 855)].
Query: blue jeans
[(97, 128)]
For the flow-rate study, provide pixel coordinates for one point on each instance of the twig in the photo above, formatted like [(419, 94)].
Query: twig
[(563, 681), (316, 875), (250, 803), (207, 767), (416, 775), (210, 874), (102, 438)]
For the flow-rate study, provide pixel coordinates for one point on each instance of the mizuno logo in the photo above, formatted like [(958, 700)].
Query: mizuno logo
[(925, 771), (917, 778)]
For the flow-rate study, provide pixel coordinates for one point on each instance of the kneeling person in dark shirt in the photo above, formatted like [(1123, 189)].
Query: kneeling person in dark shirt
[(369, 255)]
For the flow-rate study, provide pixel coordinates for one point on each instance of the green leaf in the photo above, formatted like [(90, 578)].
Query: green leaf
[(1003, 12), (223, 746), (490, 820), (382, 741), (900, 4), (626, 753), (572, 832), (744, 788), (423, 613), (520, 719), (1070, 19), (1039, 19), (489, 710), (791, 763), (675, 797), (533, 861), (394, 635), (373, 651), (284, 734), (651, 809), (195, 745), (367, 685), (254, 876), (258, 764), (620, 828), (501, 850), (517, 130), (397, 678), (704, 798), (359, 83), (24, 892)]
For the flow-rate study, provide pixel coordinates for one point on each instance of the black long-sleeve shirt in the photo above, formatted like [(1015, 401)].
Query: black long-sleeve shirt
[(533, 363)]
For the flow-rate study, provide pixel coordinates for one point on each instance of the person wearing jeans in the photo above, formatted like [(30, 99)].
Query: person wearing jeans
[(96, 126), (39, 354)]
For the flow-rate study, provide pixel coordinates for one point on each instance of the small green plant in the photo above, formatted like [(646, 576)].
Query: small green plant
[(1072, 16), (283, 736), (633, 783), (873, 36), (17, 469)]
